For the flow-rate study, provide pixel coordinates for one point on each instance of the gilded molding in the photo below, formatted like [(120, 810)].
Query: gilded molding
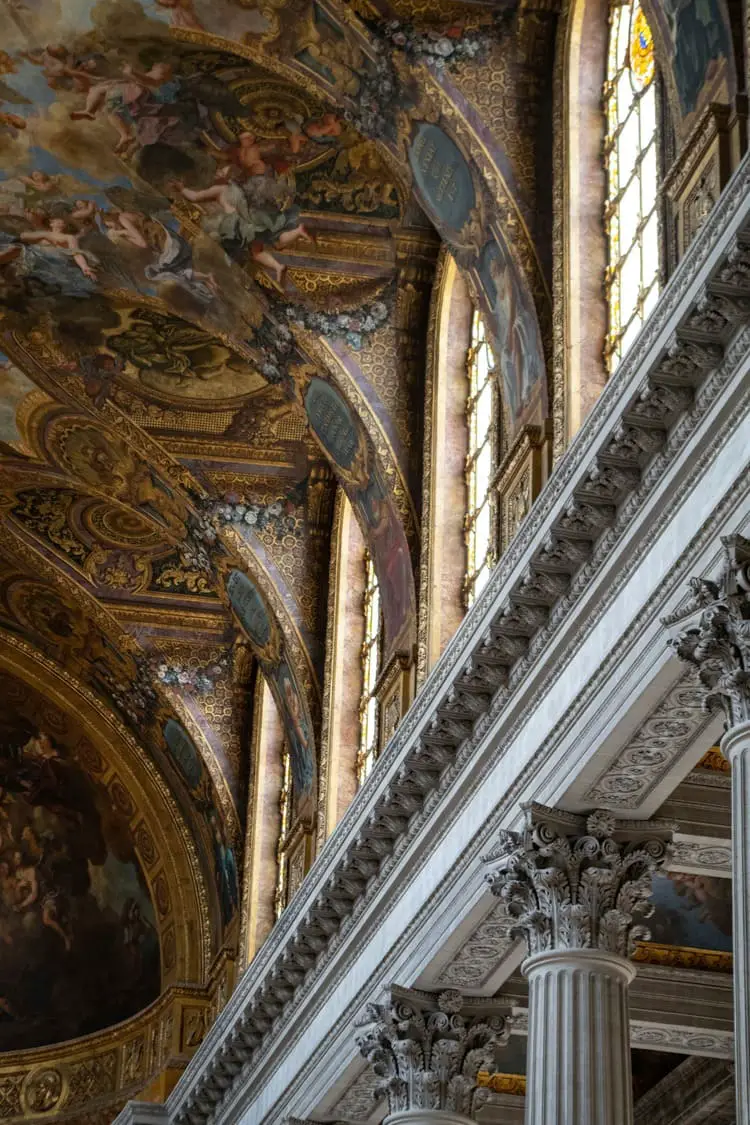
[(503, 1083), (714, 761), (682, 957)]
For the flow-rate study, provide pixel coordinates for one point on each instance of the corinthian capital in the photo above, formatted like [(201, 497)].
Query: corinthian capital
[(713, 633), (426, 1052), (578, 882)]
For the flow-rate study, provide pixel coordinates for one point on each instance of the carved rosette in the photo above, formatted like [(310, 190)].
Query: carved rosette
[(426, 1053), (713, 633), (574, 882)]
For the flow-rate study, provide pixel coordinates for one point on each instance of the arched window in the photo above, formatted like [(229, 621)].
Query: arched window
[(480, 461), (285, 819), (631, 157), (371, 647)]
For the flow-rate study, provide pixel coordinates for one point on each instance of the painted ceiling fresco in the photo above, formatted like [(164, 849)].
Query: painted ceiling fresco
[(219, 221), (78, 930)]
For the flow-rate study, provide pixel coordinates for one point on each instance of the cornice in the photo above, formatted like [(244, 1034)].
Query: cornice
[(686, 354)]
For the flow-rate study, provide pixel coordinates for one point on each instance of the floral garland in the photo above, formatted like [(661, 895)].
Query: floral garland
[(353, 327), (379, 95), (278, 516), (440, 49), (201, 680)]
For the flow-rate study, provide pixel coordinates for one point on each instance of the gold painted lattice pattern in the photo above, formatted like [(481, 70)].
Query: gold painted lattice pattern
[(480, 462), (631, 158)]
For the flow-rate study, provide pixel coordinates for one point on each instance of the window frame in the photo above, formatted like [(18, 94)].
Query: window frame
[(285, 819), (481, 402), (371, 654), (639, 117)]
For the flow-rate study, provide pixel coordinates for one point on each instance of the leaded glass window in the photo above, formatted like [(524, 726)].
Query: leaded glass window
[(371, 646), (631, 158), (285, 811), (480, 466)]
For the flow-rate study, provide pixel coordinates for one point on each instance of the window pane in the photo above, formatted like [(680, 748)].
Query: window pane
[(648, 180), (368, 704), (480, 459), (628, 148), (650, 251), (630, 213), (484, 471), (482, 534), (632, 227)]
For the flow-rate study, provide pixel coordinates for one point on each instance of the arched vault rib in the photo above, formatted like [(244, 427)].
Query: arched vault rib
[(130, 467), (427, 128), (87, 647), (173, 854)]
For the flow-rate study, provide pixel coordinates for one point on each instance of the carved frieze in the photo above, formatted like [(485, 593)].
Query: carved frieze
[(659, 741)]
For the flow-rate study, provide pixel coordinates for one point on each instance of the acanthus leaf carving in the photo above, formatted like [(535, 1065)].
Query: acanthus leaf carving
[(575, 882), (712, 633), (427, 1053)]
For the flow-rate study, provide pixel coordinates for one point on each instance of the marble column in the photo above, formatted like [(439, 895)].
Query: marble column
[(427, 1051), (712, 632), (575, 885)]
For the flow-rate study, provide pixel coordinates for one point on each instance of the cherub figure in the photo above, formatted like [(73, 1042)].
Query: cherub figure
[(11, 122), (60, 68), (249, 217), (125, 100), (59, 237), (41, 182)]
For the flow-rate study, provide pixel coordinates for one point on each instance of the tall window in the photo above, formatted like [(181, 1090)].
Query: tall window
[(480, 412), (631, 155), (368, 706), (285, 810)]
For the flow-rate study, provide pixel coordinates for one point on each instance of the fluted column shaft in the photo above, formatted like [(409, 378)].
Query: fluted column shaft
[(427, 1117), (576, 886), (735, 746), (578, 1069)]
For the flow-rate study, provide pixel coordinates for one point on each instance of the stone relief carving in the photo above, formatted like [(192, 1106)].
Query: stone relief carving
[(426, 1053), (574, 882), (673, 725), (359, 1099), (696, 856), (712, 632), (666, 1037), (479, 955)]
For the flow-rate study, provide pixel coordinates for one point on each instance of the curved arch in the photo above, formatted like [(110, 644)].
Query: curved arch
[(42, 602), (164, 840), (281, 662), (444, 500)]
